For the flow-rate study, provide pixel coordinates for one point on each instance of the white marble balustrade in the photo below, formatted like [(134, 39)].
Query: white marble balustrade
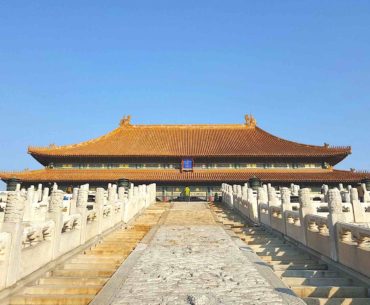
[(39, 226), (334, 223)]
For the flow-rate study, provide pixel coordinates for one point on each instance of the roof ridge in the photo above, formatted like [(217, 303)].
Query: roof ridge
[(55, 147), (189, 126), (305, 145)]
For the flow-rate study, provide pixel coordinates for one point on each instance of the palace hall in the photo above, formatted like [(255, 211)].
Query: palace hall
[(198, 156)]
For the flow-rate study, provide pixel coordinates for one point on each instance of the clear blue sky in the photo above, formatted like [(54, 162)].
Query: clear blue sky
[(69, 70)]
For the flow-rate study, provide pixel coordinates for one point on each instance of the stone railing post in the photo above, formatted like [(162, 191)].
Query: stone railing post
[(82, 198), (55, 214), (245, 192), (121, 193), (306, 207), (154, 194), (272, 197), (358, 209), (294, 188), (29, 204), (262, 198), (127, 211), (5, 244), (285, 204), (253, 207), (324, 191), (262, 195), (335, 215), (238, 196), (39, 192), (122, 199), (346, 196), (73, 201), (366, 193), (13, 217), (285, 199), (99, 207), (45, 194), (111, 195), (230, 201)]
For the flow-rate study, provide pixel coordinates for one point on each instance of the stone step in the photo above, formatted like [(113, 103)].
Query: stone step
[(266, 243), (83, 273), (284, 257), (304, 267), (274, 249), (90, 266), (119, 242), (337, 301), (107, 252), (95, 260), (51, 299), (295, 261), (237, 225), (318, 281), (308, 273), (97, 256), (249, 237), (279, 255), (122, 250), (330, 291), (126, 238), (63, 289), (118, 245), (116, 240), (64, 280)]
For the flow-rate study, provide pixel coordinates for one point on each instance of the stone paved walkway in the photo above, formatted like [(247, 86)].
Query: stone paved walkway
[(192, 260)]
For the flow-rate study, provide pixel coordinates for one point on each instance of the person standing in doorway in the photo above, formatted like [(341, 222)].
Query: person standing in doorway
[(187, 194)]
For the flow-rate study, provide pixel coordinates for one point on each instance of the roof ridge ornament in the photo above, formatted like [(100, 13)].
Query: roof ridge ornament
[(250, 121), (125, 121)]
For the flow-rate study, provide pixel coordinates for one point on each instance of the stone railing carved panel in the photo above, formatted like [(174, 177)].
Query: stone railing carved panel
[(292, 217), (316, 223), (91, 216), (354, 235), (71, 222), (37, 233), (4, 244), (107, 211)]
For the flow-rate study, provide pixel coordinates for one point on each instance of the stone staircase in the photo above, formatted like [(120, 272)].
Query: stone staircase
[(79, 279), (316, 282)]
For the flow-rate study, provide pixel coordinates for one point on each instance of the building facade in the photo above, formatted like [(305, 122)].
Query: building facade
[(199, 156)]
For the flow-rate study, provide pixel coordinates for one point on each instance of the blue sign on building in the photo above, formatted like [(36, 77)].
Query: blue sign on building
[(187, 164)]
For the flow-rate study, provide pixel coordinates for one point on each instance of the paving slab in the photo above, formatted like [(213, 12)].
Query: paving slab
[(191, 259)]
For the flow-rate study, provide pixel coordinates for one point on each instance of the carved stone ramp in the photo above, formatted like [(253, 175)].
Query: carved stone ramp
[(79, 279), (192, 260), (315, 281)]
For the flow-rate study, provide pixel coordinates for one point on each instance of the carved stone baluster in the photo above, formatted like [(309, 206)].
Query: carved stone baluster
[(55, 214), (358, 210), (335, 215), (253, 208), (306, 207), (14, 211)]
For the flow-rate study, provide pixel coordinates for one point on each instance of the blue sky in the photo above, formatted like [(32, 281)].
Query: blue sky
[(69, 70)]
